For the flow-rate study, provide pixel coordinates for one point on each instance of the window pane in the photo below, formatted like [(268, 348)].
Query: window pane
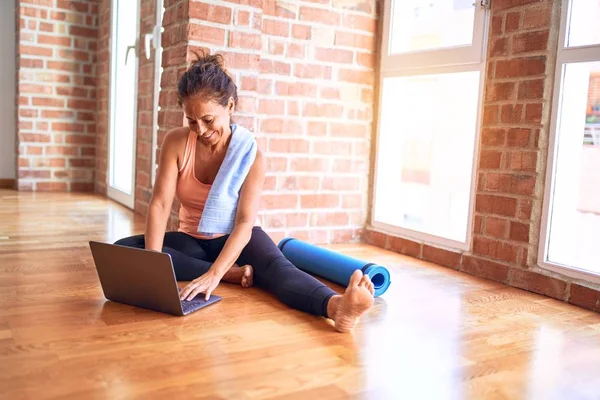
[(584, 29), (431, 24), (124, 99), (575, 213), (426, 153)]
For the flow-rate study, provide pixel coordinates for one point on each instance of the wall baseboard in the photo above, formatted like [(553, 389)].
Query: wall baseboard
[(7, 183)]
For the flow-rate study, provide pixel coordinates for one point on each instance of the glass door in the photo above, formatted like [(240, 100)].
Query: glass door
[(426, 140), (124, 50), (571, 215)]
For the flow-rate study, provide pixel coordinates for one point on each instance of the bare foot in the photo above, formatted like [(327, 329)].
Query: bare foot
[(242, 275), (345, 310)]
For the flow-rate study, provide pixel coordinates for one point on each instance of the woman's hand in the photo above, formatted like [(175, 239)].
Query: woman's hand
[(206, 283)]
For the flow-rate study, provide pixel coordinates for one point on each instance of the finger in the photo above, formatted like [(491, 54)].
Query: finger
[(207, 296), (199, 289), (189, 291), (185, 291)]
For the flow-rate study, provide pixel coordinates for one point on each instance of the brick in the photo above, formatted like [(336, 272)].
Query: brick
[(48, 102), (81, 31), (537, 17), (533, 113), (440, 256), (405, 246), (275, 67), (499, 47), (241, 61), (360, 22), (35, 174), (374, 238), (302, 164), (273, 107), (54, 40), (316, 128), (519, 231), (206, 34), (585, 297), (244, 40), (279, 201), (520, 67), (276, 47), (334, 55), (349, 130), (497, 25), (51, 186), (295, 50), (525, 209), (498, 205), (530, 42), (333, 148), (242, 18), (312, 71), (302, 32), (490, 114), (518, 137), (497, 227), (284, 88), (353, 201), (278, 8), (514, 184), (319, 201), (322, 110), (508, 4), (511, 113), (537, 283), (320, 15), (501, 91), (513, 20), (523, 161), (322, 219), (281, 125), (366, 60), (484, 268), (212, 13), (35, 51), (288, 145), (27, 88), (357, 76), (493, 137), (355, 40), (495, 249), (341, 184), (29, 63), (275, 28), (490, 159), (531, 89)]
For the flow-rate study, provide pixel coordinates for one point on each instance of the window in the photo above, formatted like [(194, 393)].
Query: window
[(571, 216), (432, 53)]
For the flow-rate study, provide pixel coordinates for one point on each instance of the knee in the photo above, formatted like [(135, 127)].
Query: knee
[(129, 242)]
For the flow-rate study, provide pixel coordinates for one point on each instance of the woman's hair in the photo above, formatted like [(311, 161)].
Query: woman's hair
[(208, 78)]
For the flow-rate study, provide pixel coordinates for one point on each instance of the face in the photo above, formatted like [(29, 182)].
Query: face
[(208, 119)]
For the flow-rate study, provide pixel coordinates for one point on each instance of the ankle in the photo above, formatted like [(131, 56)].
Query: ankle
[(333, 305)]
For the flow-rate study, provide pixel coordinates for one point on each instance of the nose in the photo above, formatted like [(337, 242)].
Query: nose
[(201, 129)]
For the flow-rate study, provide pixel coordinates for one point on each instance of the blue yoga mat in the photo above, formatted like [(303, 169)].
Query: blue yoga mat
[(332, 265)]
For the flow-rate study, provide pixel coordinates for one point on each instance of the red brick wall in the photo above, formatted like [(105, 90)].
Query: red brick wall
[(103, 84), (305, 89), (511, 168), (56, 94), (594, 94)]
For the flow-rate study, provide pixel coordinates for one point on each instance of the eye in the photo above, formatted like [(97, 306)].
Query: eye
[(208, 122), (191, 122)]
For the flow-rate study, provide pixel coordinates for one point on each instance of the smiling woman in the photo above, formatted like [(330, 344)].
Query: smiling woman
[(193, 162)]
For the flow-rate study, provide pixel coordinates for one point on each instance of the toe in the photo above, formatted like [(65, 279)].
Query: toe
[(356, 277)]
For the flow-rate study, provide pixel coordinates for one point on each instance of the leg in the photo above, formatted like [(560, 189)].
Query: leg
[(187, 255), (190, 260), (299, 290)]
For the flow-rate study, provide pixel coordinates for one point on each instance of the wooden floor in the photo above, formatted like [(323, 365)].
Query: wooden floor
[(436, 333)]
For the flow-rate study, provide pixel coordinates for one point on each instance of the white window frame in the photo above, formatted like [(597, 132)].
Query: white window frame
[(565, 55), (157, 35), (113, 193), (444, 60)]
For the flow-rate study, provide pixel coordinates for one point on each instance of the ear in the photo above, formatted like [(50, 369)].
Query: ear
[(231, 106)]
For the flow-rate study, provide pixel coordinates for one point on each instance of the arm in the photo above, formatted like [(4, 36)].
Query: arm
[(245, 217), (163, 194)]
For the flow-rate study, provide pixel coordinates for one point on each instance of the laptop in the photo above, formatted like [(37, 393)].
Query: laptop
[(142, 278)]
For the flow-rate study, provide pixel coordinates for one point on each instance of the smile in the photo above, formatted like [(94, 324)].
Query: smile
[(208, 136)]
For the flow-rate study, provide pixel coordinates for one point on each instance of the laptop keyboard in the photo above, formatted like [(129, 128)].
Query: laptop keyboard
[(190, 305)]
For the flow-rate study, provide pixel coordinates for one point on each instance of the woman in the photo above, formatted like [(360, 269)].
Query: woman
[(190, 159)]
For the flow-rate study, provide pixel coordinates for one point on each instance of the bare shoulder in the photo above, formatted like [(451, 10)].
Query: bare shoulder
[(176, 137)]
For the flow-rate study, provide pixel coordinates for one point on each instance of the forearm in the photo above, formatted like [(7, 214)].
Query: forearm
[(238, 239), (156, 224)]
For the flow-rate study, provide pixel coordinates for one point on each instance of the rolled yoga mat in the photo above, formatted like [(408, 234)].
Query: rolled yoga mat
[(331, 265)]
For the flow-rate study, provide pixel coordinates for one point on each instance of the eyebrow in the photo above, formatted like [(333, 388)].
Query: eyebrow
[(204, 116)]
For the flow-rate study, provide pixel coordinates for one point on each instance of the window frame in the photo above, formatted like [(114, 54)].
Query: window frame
[(418, 63), (564, 56)]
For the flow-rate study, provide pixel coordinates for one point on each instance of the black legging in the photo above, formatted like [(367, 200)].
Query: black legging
[(272, 271)]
